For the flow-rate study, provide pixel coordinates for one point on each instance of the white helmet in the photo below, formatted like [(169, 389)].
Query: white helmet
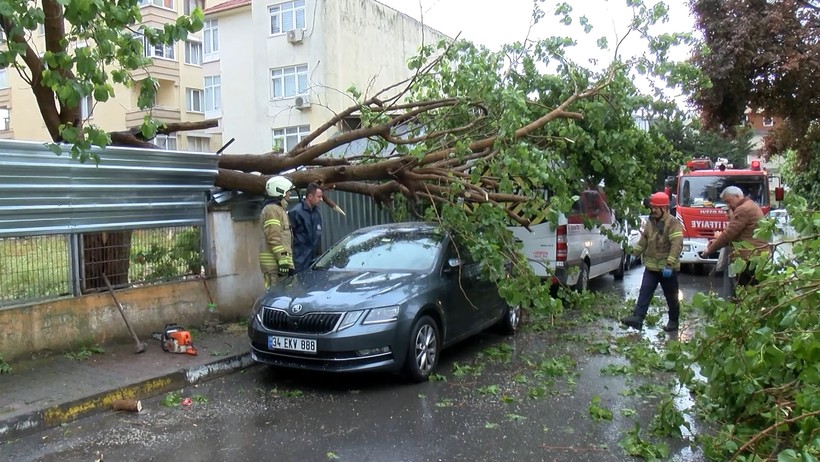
[(277, 186)]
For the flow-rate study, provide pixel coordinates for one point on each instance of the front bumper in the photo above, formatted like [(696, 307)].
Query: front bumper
[(336, 351), (692, 249)]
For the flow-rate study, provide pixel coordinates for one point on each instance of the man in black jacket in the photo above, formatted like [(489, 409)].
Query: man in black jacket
[(306, 223)]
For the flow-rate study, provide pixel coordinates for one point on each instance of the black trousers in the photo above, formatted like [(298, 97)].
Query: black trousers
[(650, 282)]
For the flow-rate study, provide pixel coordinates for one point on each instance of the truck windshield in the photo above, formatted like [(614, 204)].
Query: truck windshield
[(704, 191)]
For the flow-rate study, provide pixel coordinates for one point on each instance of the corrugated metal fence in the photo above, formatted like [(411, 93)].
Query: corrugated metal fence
[(136, 217), (41, 193), (360, 211)]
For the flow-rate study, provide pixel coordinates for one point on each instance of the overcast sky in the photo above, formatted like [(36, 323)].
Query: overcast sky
[(494, 24)]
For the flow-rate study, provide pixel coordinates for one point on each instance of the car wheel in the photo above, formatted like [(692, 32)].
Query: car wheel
[(422, 356), (583, 278), (618, 274), (508, 325)]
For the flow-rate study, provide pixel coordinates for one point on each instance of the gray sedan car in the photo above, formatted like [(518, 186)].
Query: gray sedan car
[(387, 297)]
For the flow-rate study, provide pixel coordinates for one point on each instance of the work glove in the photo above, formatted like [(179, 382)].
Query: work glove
[(285, 271), (666, 272)]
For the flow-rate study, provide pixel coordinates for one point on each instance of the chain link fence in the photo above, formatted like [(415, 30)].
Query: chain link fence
[(36, 268)]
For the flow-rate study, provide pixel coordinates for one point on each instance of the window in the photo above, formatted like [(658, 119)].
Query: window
[(768, 122), (289, 81), (4, 78), (199, 144), (213, 93), (163, 3), (287, 138), (190, 5), (287, 16), (167, 142), (210, 36), (158, 51), (193, 53), (5, 119), (194, 100), (86, 107)]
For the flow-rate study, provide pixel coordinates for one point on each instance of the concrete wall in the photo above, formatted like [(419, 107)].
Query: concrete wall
[(68, 324), (57, 326)]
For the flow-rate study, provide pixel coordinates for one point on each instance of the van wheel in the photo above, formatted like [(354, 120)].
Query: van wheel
[(583, 278), (618, 274), (423, 350)]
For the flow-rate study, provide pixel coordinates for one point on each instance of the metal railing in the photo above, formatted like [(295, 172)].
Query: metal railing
[(37, 268)]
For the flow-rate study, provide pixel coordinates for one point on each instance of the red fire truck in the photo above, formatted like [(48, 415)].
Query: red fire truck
[(699, 207)]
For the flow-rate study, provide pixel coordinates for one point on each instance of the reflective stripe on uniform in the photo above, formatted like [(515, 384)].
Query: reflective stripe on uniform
[(272, 221)]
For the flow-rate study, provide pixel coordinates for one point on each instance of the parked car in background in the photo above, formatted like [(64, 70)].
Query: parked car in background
[(387, 297)]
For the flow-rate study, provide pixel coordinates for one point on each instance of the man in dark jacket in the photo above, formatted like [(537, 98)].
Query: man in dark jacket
[(306, 223), (660, 244)]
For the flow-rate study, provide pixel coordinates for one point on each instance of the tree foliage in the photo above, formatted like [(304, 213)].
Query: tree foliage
[(763, 54), (759, 358)]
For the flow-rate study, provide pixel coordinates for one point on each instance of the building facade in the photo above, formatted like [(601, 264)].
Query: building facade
[(180, 96), (284, 67)]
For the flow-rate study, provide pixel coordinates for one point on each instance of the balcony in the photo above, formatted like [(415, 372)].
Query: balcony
[(157, 14), (133, 117), (162, 69), (5, 97)]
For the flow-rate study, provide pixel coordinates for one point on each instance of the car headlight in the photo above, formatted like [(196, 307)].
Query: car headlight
[(380, 315), (349, 319)]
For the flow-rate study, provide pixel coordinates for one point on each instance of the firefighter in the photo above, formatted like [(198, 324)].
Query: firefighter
[(276, 253), (661, 243)]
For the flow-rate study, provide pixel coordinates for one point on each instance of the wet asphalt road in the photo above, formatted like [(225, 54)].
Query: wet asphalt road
[(525, 398)]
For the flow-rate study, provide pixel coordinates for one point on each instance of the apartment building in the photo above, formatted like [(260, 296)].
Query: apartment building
[(181, 96), (276, 70)]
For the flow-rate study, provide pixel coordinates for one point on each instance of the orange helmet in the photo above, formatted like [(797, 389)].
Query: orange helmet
[(659, 199)]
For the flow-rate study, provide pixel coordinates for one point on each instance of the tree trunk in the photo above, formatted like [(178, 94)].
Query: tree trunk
[(105, 253)]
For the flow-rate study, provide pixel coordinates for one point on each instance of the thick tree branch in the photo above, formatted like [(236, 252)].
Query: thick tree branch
[(54, 28)]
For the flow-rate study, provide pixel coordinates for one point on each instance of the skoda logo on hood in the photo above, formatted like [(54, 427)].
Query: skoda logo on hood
[(296, 308)]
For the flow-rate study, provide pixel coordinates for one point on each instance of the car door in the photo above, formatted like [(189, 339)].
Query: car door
[(467, 298)]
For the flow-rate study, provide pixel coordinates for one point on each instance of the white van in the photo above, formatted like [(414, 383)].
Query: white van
[(571, 254)]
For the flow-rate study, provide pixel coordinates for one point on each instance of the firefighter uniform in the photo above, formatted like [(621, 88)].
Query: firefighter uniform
[(276, 252)]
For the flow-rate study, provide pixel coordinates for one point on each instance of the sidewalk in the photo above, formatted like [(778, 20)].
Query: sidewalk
[(45, 393)]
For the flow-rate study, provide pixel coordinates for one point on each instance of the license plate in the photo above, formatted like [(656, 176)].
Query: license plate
[(305, 345)]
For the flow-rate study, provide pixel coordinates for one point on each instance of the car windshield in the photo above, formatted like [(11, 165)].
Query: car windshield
[(391, 249), (704, 191)]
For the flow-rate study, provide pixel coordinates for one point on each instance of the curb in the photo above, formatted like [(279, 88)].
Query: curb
[(55, 416)]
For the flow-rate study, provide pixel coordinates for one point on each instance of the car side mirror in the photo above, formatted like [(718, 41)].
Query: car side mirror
[(452, 265), (779, 192)]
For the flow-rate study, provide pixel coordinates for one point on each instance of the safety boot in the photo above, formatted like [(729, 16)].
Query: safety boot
[(633, 321), (670, 326)]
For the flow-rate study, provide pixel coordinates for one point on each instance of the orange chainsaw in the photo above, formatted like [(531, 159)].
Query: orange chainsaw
[(176, 339)]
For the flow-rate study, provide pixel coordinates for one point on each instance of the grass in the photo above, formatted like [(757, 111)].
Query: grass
[(37, 267)]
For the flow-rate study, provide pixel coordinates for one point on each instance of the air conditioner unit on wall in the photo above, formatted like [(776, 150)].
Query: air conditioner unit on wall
[(296, 35), (302, 102)]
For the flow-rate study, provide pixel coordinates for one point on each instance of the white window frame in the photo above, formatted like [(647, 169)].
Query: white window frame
[(213, 94), (194, 97), (166, 52), (190, 5), (86, 107), (166, 142), (5, 119), (193, 52), (4, 78), (768, 121), (206, 143), (295, 76), (286, 16), (288, 137), (210, 39), (159, 3)]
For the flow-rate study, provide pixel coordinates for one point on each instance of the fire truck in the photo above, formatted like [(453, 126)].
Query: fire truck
[(699, 207)]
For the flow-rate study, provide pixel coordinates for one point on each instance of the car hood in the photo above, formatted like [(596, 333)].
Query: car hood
[(330, 290)]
